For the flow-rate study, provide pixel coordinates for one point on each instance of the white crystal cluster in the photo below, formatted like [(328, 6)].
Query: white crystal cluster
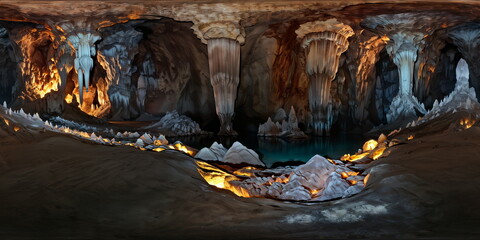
[(236, 154)]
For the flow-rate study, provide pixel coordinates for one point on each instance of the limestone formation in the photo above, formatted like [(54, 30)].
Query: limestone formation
[(116, 53), (324, 42)]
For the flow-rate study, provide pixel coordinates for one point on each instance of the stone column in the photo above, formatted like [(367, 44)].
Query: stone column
[(324, 42), (407, 33), (223, 39), (82, 38)]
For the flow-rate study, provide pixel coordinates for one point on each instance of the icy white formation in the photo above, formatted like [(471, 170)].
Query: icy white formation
[(238, 154), (216, 152), (324, 42), (180, 125), (403, 49), (116, 53), (84, 44), (288, 127)]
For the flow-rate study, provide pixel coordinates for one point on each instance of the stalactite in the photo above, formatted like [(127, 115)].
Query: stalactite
[(224, 63), (84, 44), (324, 42)]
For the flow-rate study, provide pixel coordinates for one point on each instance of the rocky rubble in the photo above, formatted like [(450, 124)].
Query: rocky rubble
[(180, 125)]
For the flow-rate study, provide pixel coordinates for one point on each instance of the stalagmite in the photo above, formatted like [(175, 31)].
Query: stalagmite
[(324, 42), (223, 39), (407, 33), (84, 44), (467, 38)]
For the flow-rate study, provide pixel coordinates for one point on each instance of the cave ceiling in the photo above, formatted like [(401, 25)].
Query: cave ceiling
[(106, 13)]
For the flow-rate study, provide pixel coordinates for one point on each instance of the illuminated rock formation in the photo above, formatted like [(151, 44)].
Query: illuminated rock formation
[(223, 39), (324, 42), (116, 53)]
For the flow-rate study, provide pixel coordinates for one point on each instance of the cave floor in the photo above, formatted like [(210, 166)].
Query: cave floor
[(54, 186)]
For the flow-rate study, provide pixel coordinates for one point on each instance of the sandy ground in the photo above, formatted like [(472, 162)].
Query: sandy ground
[(53, 186)]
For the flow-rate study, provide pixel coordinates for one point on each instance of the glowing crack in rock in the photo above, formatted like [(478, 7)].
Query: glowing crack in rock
[(84, 44), (324, 42)]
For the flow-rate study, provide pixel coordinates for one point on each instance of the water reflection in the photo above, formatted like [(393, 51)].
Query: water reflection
[(272, 150)]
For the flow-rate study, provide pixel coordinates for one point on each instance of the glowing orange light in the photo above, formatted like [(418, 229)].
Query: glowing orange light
[(16, 128), (6, 122), (467, 123), (377, 153), (410, 137), (370, 145), (158, 149), (69, 98)]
